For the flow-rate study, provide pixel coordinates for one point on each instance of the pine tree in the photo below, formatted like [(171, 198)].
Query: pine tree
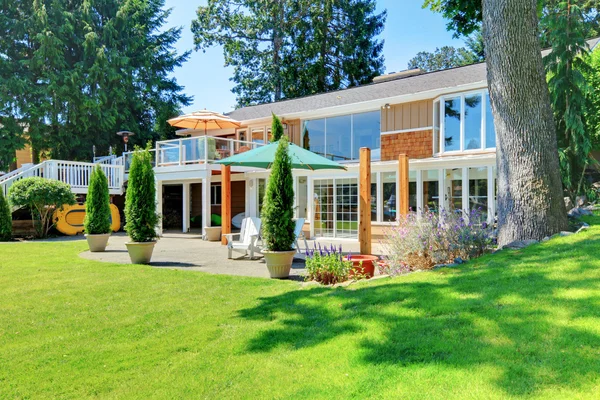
[(5, 220), (140, 205), (289, 48), (277, 211), (97, 204), (276, 128), (77, 72)]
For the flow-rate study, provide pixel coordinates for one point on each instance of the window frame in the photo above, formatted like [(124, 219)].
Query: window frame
[(441, 145)]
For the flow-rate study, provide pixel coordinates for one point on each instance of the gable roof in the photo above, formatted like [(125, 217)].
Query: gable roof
[(445, 79)]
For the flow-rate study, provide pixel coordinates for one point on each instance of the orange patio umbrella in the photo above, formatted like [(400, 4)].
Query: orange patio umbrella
[(204, 119)]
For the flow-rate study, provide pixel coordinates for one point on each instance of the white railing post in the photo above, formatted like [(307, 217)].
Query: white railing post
[(180, 152), (205, 149)]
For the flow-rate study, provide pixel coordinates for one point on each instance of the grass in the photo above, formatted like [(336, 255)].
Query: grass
[(517, 324)]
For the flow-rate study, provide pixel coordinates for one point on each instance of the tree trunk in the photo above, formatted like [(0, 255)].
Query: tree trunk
[(530, 196)]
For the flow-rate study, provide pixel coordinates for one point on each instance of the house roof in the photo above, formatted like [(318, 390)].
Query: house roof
[(445, 79)]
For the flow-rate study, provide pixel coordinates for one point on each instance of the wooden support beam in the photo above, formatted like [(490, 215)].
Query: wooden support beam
[(403, 202), (364, 184), (225, 202)]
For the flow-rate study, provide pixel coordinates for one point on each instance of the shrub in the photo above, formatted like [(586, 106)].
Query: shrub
[(276, 128), (42, 197), (421, 243), (5, 220), (327, 265), (140, 205), (277, 211), (97, 205)]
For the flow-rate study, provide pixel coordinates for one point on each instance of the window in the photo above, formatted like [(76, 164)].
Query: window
[(473, 119), (467, 123), (258, 136), (452, 122), (338, 144), (453, 189), (388, 201), (261, 194), (340, 138), (478, 190), (490, 130), (366, 132), (431, 190), (215, 195), (313, 136)]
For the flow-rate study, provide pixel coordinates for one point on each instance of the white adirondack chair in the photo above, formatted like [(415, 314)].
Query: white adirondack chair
[(298, 234), (248, 238)]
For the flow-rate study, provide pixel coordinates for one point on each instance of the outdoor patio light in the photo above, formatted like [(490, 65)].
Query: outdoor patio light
[(125, 135)]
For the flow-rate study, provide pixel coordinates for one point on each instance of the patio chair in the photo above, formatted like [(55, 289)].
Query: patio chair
[(248, 238), (298, 234)]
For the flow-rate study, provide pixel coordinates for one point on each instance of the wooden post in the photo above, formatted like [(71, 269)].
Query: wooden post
[(403, 206), (364, 184), (225, 202)]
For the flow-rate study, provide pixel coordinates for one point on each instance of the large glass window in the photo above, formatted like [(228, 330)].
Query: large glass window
[(473, 107), (367, 133), (462, 123), (490, 130), (340, 138), (389, 201), (313, 136), (452, 124), (339, 145)]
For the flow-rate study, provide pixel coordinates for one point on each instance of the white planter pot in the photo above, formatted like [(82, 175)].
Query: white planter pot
[(279, 263), (140, 252), (97, 243), (213, 233)]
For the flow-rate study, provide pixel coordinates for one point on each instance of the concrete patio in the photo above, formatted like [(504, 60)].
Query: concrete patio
[(189, 252)]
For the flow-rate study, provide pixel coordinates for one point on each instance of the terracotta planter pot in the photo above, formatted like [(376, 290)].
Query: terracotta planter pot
[(279, 263), (140, 252), (97, 243), (362, 265), (213, 233)]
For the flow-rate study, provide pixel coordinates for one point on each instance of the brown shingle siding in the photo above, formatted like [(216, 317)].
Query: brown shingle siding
[(415, 144)]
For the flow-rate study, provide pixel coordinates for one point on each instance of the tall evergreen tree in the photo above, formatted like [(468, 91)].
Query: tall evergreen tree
[(289, 48), (81, 71)]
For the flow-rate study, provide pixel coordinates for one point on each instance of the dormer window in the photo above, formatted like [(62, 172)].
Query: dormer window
[(463, 123)]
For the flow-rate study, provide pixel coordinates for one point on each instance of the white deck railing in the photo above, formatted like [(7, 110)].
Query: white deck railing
[(76, 174), (198, 150), (17, 171)]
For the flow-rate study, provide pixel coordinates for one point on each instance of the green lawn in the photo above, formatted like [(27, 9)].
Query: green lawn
[(520, 324)]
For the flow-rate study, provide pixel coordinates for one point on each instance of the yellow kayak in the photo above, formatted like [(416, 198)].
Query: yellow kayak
[(69, 220)]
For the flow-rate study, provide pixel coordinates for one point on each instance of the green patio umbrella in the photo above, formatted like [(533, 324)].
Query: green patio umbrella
[(263, 156)]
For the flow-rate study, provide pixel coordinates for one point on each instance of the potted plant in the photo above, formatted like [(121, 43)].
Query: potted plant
[(97, 212), (363, 266), (140, 208), (277, 214)]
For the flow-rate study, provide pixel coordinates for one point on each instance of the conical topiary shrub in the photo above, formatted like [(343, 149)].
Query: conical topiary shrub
[(97, 211), (5, 220), (276, 128), (277, 213), (140, 208)]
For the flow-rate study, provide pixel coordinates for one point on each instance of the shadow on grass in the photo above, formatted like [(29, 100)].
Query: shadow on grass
[(525, 312)]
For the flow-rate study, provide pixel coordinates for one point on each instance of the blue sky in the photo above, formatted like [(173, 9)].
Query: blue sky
[(409, 29)]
